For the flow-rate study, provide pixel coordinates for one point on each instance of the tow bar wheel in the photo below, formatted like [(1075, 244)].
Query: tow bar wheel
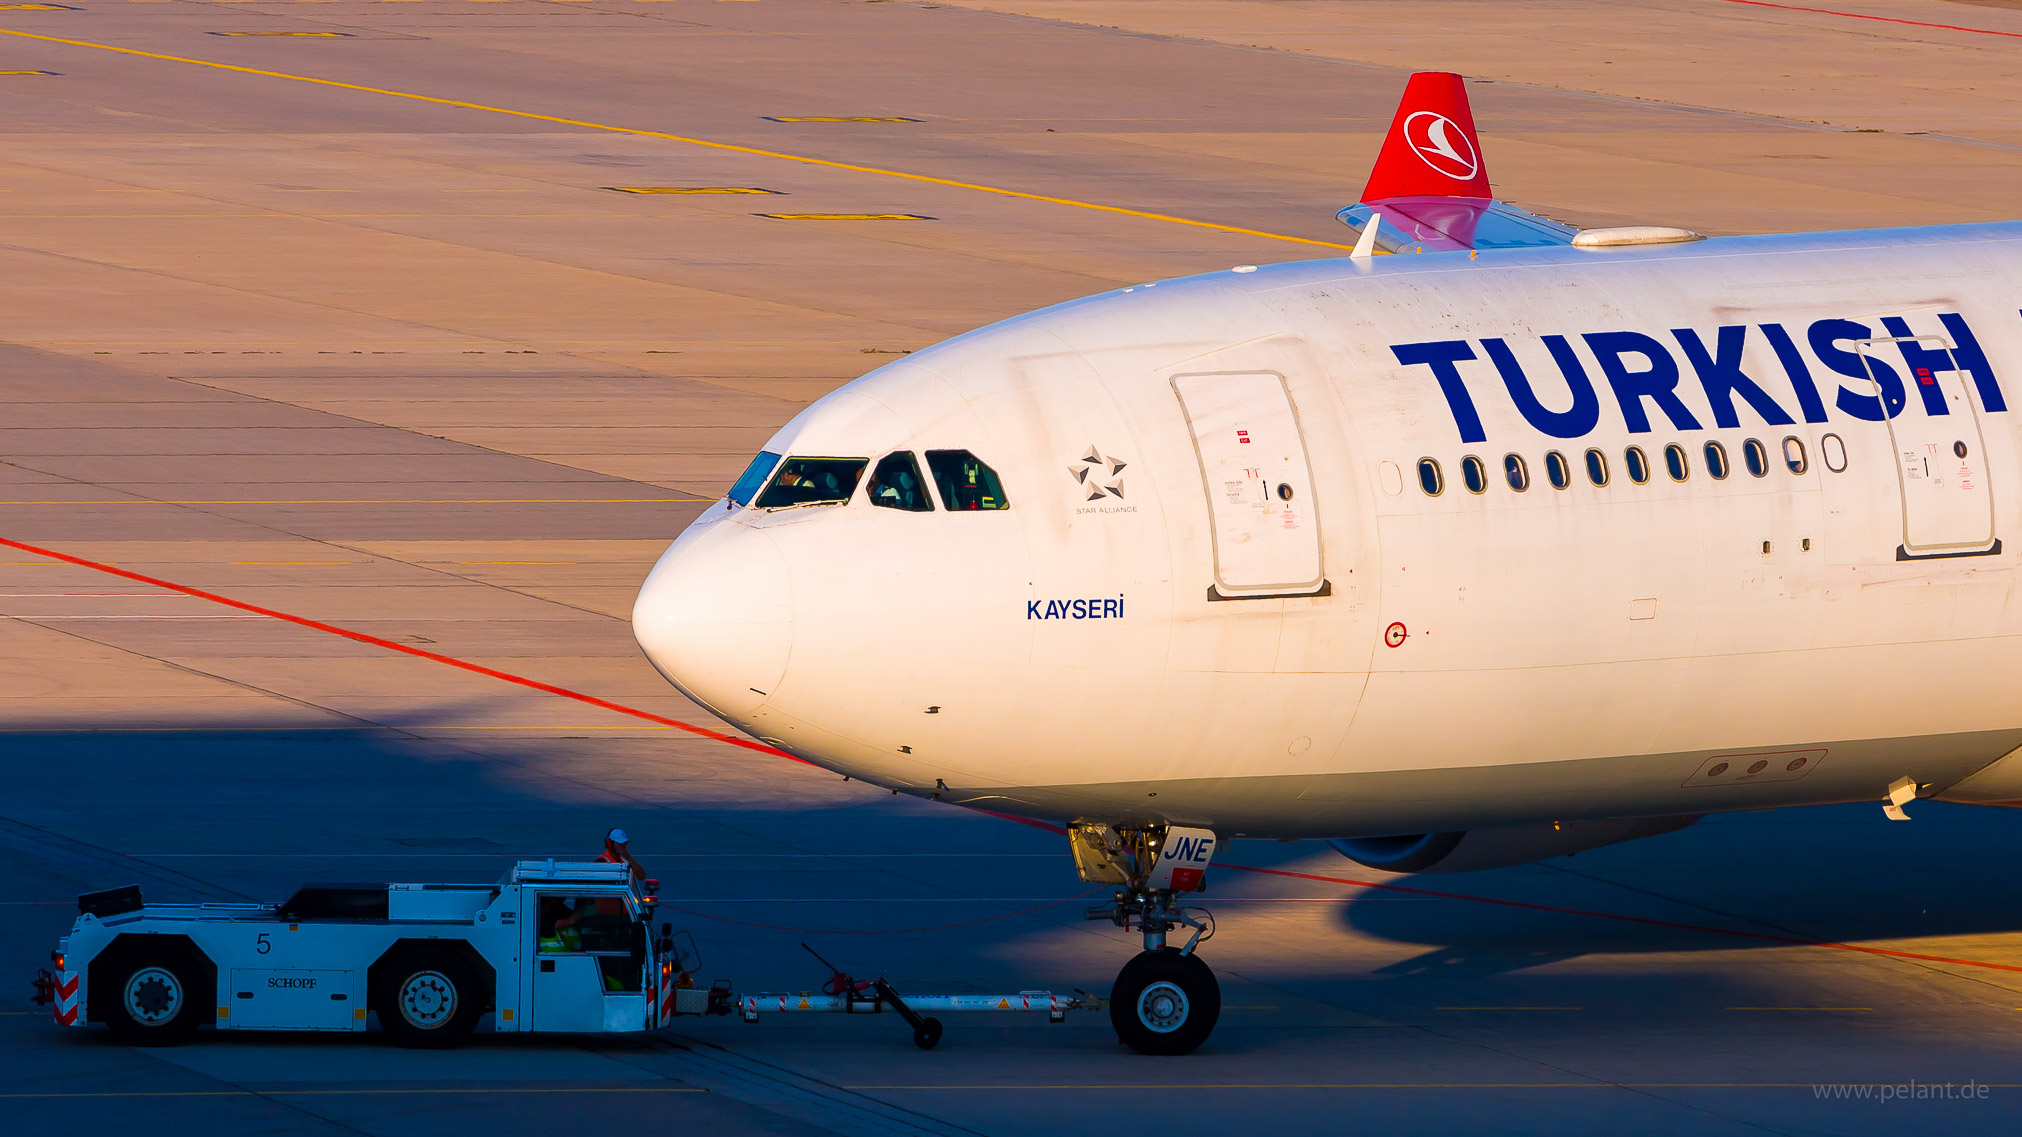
[(1165, 1003), (152, 997)]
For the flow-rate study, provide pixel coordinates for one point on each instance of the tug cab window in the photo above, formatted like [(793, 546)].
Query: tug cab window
[(896, 484), (813, 481), (753, 477), (577, 925), (965, 482)]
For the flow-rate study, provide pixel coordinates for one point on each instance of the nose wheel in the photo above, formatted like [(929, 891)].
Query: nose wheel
[(1164, 1002)]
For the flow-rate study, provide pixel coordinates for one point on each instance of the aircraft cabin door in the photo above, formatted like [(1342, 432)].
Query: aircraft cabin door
[(1941, 465), (1259, 484)]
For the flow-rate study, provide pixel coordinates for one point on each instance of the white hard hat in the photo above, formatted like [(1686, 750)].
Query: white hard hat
[(616, 837)]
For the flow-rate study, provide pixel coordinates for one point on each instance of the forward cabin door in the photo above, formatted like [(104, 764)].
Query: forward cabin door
[(1258, 482), (1941, 464)]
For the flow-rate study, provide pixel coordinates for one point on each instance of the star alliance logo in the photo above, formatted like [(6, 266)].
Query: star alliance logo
[(1098, 476)]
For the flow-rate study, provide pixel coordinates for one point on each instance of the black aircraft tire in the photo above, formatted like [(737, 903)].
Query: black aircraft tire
[(1165, 1002), (159, 995), (428, 999), (928, 1035)]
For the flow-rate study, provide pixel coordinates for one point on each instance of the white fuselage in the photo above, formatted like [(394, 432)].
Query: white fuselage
[(1310, 644)]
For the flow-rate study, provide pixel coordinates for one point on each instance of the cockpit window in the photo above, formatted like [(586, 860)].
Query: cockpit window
[(896, 484), (753, 477), (965, 482), (812, 481)]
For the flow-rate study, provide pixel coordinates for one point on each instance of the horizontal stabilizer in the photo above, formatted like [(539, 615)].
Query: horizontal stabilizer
[(1443, 224)]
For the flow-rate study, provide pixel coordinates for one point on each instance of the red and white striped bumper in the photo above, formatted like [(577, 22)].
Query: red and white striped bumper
[(68, 999)]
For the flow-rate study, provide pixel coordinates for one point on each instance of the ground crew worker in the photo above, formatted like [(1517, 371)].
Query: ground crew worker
[(616, 853)]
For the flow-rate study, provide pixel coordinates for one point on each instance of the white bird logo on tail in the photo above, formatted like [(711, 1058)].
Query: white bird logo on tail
[(1442, 145)]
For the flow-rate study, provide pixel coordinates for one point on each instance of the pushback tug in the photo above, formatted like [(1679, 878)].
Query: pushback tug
[(553, 947)]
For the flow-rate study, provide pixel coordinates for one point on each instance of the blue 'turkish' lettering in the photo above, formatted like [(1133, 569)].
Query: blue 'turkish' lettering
[(1573, 422), (1658, 382), (1642, 372), (1797, 369), (1825, 337), (1442, 355), (1721, 375)]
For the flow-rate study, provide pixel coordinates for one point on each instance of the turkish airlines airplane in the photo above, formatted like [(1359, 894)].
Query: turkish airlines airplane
[(1494, 541)]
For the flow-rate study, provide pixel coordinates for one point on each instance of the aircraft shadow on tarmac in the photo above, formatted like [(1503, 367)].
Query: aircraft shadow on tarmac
[(460, 809), (1834, 874)]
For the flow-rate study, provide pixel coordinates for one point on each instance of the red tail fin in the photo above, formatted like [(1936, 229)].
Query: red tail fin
[(1431, 150)]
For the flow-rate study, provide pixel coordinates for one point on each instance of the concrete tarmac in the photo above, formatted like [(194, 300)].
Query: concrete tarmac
[(351, 311)]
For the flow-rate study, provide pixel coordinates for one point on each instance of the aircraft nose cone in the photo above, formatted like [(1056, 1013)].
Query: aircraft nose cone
[(716, 617)]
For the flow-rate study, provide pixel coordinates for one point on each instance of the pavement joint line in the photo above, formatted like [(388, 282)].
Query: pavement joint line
[(703, 142), (748, 744), (838, 1108), (358, 1092), (1596, 1085), (389, 501)]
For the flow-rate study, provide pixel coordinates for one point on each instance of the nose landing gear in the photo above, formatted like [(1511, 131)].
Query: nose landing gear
[(1166, 999)]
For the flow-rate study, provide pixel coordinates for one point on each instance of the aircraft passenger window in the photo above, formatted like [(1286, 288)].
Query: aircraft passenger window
[(1716, 460), (753, 477), (965, 482), (1597, 467), (1757, 457), (1558, 469), (1793, 454), (1429, 477), (813, 481), (1638, 464), (1833, 450), (896, 484), (1474, 472), (1516, 472), (1674, 461)]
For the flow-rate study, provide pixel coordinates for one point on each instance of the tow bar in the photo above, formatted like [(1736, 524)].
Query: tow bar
[(843, 994)]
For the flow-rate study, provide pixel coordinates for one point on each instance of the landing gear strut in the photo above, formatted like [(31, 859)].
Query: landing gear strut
[(1165, 1000)]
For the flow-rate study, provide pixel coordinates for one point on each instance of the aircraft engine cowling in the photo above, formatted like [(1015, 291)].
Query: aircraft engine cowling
[(1499, 847)]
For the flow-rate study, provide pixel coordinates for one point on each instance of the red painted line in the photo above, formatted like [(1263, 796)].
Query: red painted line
[(1877, 19), (404, 649), (720, 736)]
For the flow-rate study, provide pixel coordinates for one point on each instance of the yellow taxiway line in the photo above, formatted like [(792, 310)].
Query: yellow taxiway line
[(704, 142)]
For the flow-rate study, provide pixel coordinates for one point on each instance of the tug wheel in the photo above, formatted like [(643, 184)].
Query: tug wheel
[(1165, 1002), (157, 996), (928, 1034), (428, 998)]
